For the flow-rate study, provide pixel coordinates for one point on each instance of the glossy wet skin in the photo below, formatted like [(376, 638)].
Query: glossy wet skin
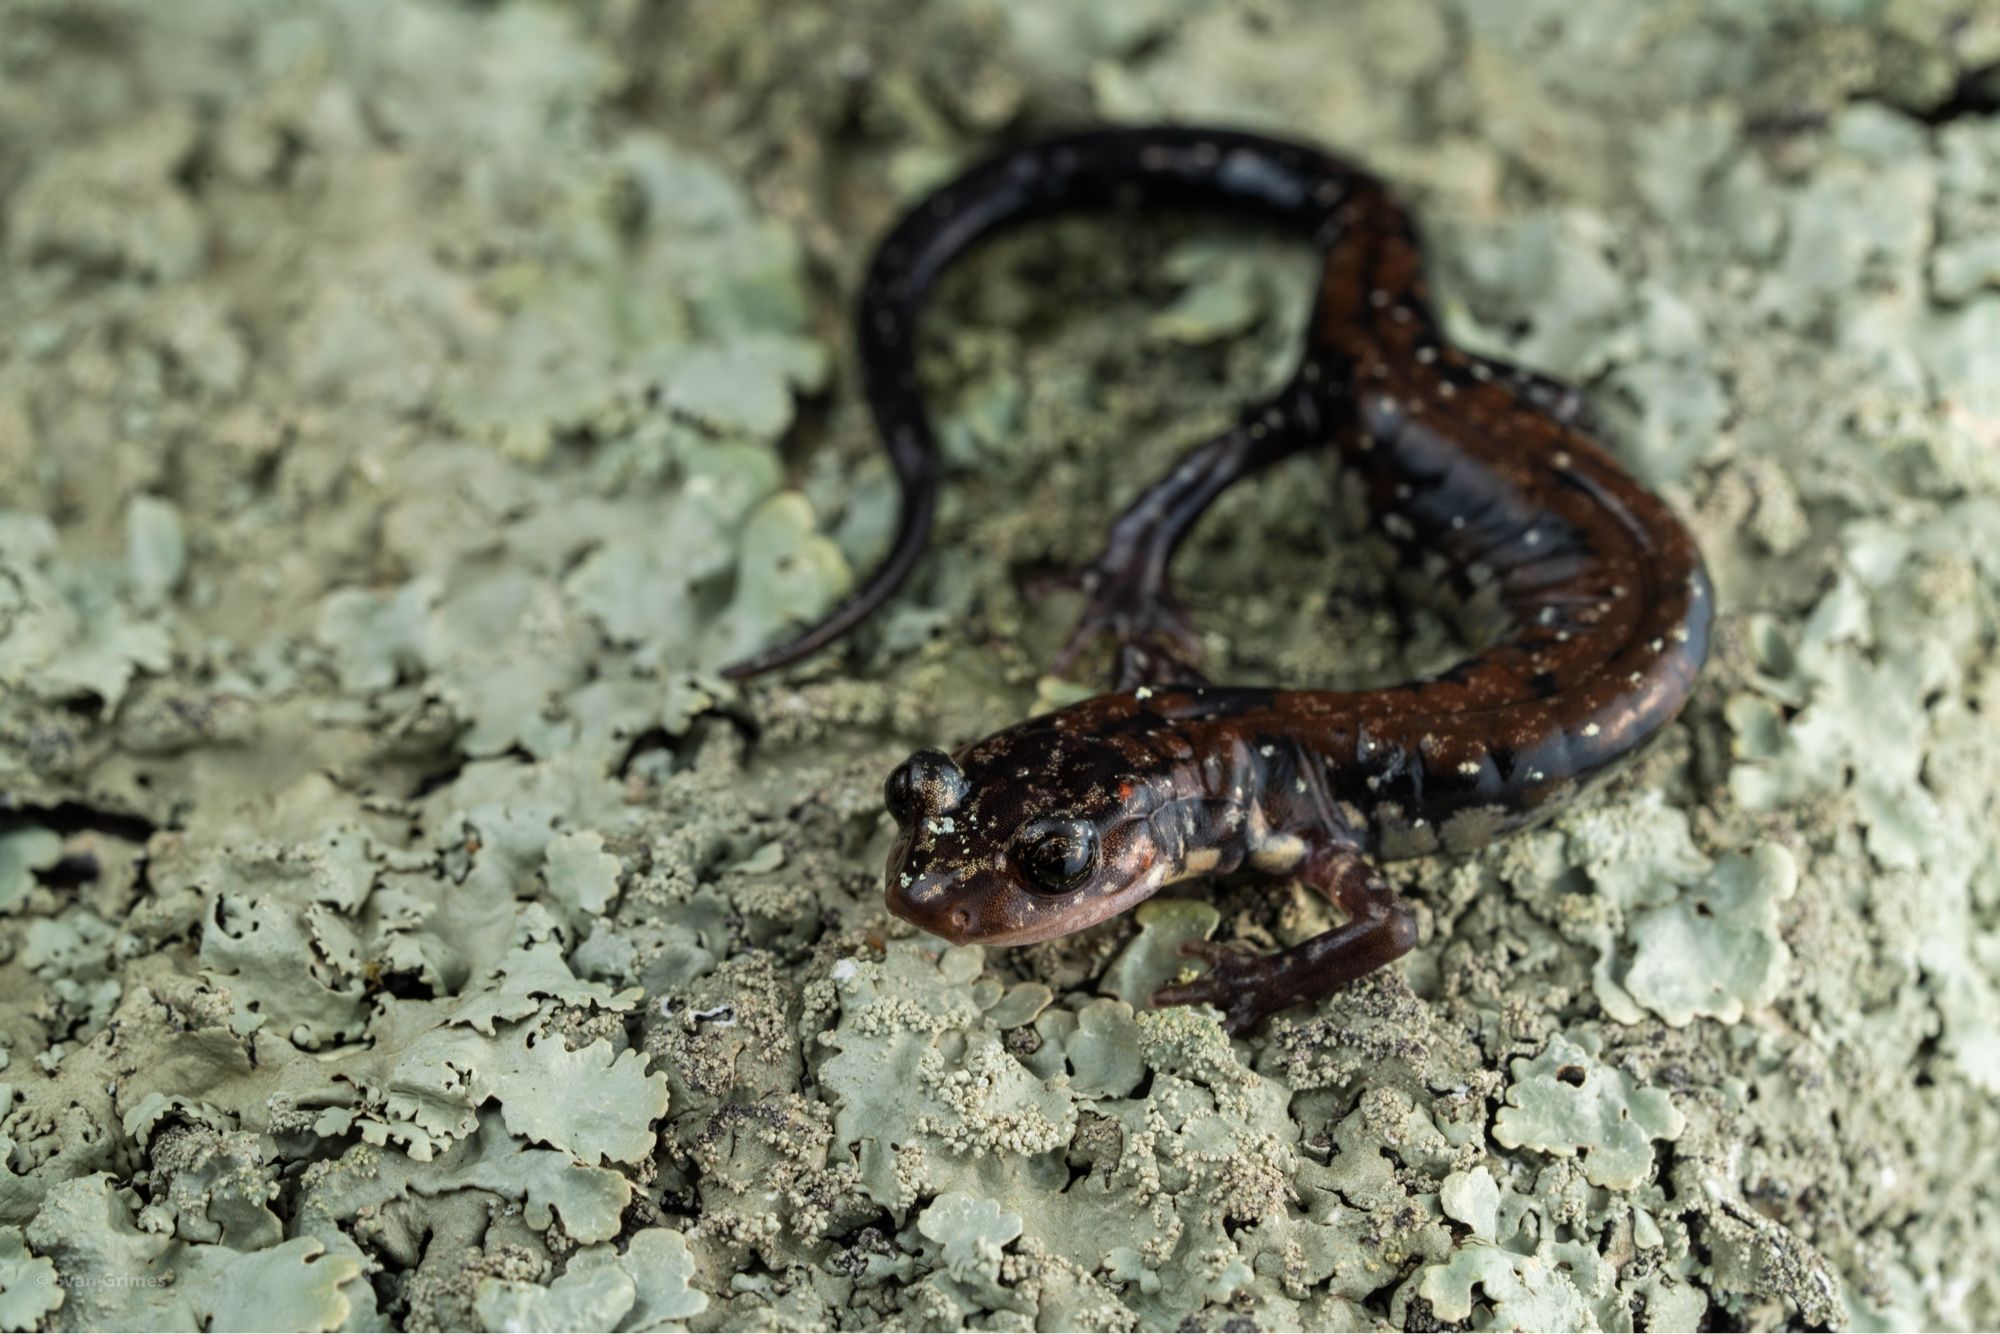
[(1475, 479), (981, 855)]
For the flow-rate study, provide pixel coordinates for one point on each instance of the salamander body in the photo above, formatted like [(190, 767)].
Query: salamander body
[(1475, 477)]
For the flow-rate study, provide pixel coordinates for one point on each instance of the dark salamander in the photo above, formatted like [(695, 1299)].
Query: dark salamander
[(1478, 479)]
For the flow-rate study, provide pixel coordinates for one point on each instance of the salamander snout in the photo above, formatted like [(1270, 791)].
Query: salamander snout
[(934, 901), (921, 795), (1025, 836)]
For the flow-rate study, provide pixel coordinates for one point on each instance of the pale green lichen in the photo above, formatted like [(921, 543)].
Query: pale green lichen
[(1717, 951), (65, 634), (1518, 1291), (645, 1288), (409, 407), (1473, 1198), (1153, 957), (1567, 1102), (1680, 936), (24, 851), (971, 1233), (28, 1288)]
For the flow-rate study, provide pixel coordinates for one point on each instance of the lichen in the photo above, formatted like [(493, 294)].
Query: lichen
[(1566, 1102), (408, 408)]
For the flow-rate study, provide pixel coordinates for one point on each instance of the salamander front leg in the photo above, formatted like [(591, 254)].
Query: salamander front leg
[(1246, 986)]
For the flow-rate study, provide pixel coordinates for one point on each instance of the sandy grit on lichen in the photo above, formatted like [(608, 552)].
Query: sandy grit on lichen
[(406, 408)]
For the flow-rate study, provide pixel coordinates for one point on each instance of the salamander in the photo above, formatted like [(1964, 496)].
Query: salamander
[(1588, 596)]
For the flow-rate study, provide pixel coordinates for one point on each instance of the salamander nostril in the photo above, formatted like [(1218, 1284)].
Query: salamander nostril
[(961, 921)]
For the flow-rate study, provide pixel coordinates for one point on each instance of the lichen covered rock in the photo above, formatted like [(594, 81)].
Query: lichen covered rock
[(407, 408)]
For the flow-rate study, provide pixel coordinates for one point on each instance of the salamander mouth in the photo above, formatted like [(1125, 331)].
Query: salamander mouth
[(961, 926), (965, 914), (954, 924), (1031, 934)]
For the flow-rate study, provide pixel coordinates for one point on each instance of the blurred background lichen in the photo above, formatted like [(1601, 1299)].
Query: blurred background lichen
[(406, 407)]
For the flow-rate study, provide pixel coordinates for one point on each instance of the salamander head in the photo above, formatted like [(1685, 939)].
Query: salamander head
[(1030, 834)]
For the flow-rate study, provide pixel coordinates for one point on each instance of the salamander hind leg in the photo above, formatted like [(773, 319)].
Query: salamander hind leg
[(1564, 402), (1131, 597), (1155, 641), (1247, 986)]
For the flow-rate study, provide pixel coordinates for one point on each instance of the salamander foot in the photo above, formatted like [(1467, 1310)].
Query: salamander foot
[(1156, 640), (1239, 982), (1247, 986)]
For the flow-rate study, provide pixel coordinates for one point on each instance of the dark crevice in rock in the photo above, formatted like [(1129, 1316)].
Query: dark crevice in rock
[(73, 817)]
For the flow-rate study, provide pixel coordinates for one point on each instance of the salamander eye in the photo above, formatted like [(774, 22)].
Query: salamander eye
[(899, 795), (1056, 855), (928, 783)]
